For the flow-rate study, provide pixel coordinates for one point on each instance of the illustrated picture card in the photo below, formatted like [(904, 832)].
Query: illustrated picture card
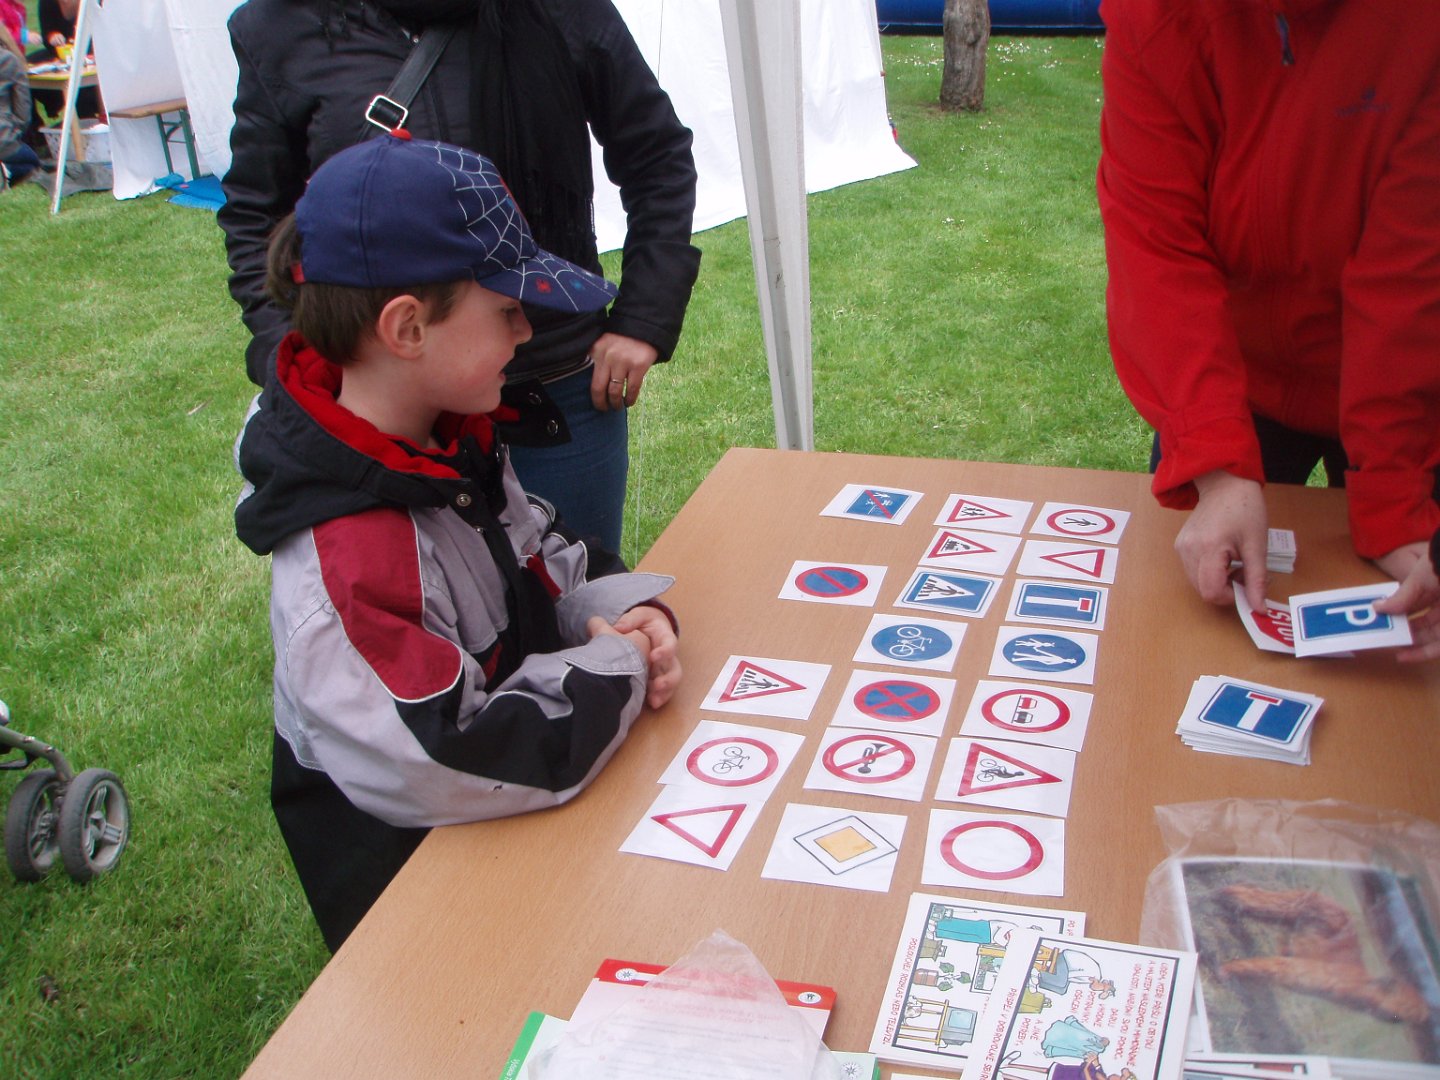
[(692, 826), (887, 764), (945, 965), (1080, 522), (733, 757), (870, 502), (825, 845), (762, 686), (1032, 652), (977, 552), (1056, 603), (949, 592), (916, 704), (1343, 620), (985, 513), (1002, 852), (1068, 561), (902, 641), (833, 583), (1026, 712), (1011, 776)]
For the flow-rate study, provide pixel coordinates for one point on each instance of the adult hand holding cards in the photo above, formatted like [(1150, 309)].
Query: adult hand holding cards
[(1332, 623)]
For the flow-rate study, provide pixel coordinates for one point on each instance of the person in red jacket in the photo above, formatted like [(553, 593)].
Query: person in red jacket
[(1269, 182)]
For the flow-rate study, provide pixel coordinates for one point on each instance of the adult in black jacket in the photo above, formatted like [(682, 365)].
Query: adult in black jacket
[(518, 82)]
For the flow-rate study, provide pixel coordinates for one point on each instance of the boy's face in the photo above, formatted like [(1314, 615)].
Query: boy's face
[(467, 352)]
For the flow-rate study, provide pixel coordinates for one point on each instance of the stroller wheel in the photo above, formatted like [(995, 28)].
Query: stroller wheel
[(31, 826), (94, 823)]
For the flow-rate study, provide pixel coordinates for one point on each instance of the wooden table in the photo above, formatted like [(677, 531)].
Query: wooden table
[(490, 921)]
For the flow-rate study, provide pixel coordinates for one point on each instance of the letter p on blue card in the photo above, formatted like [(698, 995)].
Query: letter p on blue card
[(1344, 620)]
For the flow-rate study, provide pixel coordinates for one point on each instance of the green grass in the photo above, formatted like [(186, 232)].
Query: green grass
[(958, 312)]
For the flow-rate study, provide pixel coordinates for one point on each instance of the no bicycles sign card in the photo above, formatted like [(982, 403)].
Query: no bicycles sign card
[(733, 757)]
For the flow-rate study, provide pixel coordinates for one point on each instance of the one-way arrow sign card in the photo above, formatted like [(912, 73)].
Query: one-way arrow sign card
[(762, 686), (1012, 776)]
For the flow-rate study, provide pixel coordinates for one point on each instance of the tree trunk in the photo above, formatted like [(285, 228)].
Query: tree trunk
[(967, 33)]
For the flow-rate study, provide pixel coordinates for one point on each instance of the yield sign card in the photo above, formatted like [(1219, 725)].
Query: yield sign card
[(1027, 712), (978, 552), (1081, 522), (1012, 776), (1000, 852), (833, 583), (825, 845), (732, 757), (917, 643), (985, 513), (868, 502), (912, 704), (1122, 1008), (1066, 656), (698, 827), (1341, 620), (881, 763), (765, 687), (1069, 561)]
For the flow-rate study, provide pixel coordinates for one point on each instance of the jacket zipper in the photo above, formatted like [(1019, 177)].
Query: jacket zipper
[(1282, 24)]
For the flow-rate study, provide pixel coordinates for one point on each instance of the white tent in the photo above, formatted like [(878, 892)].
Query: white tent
[(154, 50)]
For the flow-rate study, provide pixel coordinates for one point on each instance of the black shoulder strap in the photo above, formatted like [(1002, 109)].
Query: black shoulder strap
[(390, 110)]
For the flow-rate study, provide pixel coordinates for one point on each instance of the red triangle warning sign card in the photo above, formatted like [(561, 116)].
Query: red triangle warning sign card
[(752, 681), (988, 769), (712, 825)]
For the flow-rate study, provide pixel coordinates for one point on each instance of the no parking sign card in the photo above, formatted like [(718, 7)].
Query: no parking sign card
[(985, 513), (917, 643), (1029, 713), (1066, 656), (765, 687), (825, 845), (833, 583), (914, 704), (1068, 561), (980, 552), (732, 757), (868, 502), (1013, 776), (1081, 522), (949, 592), (697, 827), (872, 763), (1002, 852)]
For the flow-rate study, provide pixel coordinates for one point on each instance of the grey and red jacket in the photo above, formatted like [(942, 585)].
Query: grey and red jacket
[(432, 664)]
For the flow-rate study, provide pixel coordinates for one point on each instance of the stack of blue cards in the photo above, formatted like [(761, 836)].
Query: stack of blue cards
[(1228, 716)]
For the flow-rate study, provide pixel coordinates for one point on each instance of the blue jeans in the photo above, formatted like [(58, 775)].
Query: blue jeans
[(21, 163), (584, 478)]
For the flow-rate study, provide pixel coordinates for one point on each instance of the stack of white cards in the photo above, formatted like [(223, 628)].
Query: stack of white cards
[(1228, 716), (1280, 552)]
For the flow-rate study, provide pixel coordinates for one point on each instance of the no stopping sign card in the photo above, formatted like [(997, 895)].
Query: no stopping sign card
[(916, 643), (985, 513), (1004, 852), (871, 502), (1013, 776), (912, 704), (765, 687), (733, 757), (1066, 656), (1081, 522), (833, 583), (872, 763), (1028, 712)]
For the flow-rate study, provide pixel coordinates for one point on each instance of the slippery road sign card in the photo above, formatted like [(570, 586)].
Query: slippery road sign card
[(985, 513), (1081, 522), (1032, 652), (1340, 620), (731, 757), (916, 643), (1056, 603), (911, 704), (995, 851), (833, 583), (1012, 776), (764, 687), (887, 505), (690, 826), (979, 552), (825, 845), (1028, 713), (872, 763), (949, 593), (1069, 561)]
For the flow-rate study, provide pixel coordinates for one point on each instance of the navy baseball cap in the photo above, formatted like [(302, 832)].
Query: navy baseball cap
[(395, 211)]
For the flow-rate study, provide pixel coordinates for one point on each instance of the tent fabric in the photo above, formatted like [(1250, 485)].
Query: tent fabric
[(153, 50)]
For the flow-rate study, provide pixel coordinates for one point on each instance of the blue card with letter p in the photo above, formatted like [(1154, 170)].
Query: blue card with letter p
[(1342, 620)]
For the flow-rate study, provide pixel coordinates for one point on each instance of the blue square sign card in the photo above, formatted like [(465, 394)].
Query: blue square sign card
[(1231, 716), (1344, 620)]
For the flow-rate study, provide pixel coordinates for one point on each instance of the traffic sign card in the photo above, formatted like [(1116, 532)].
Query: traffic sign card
[(833, 583), (948, 592), (1032, 652), (1029, 713), (979, 552), (1341, 620), (1068, 560), (1080, 522), (1272, 629), (733, 757), (913, 704), (985, 513), (870, 502), (882, 763), (1229, 716), (1057, 603), (825, 845), (1000, 852), (911, 642), (1012, 776), (761, 686), (690, 826)]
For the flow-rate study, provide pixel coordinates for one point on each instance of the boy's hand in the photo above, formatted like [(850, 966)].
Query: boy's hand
[(620, 366), (661, 649), (1419, 597)]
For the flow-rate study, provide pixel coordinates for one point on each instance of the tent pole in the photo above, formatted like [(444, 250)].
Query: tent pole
[(72, 90)]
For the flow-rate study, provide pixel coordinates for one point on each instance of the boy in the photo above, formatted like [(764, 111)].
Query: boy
[(445, 651)]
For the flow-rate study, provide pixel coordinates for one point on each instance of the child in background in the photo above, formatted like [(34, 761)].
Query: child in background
[(17, 160), (446, 651)]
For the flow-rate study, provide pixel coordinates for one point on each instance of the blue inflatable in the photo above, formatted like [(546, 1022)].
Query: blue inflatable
[(1006, 16)]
